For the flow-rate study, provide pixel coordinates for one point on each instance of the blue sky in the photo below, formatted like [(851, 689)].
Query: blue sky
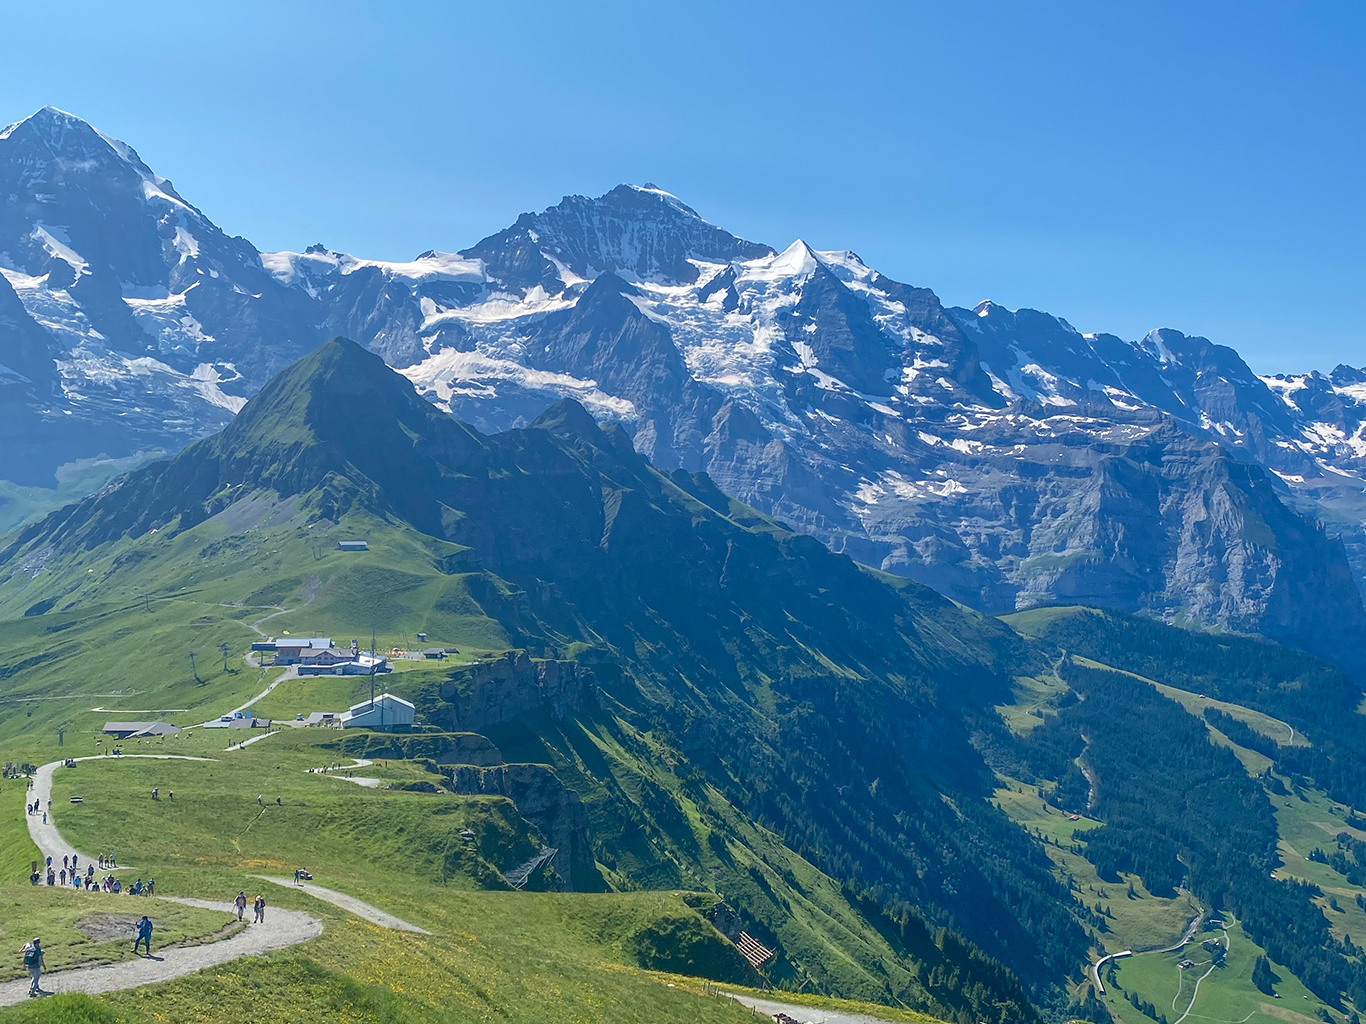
[(1192, 165)]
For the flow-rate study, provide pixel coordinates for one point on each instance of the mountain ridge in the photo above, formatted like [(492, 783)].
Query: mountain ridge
[(976, 450), (743, 647)]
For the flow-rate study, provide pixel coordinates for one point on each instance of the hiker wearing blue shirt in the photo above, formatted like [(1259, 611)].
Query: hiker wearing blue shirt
[(144, 934), (33, 960)]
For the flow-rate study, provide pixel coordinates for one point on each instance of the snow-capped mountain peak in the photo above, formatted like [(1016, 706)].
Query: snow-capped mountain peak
[(995, 453)]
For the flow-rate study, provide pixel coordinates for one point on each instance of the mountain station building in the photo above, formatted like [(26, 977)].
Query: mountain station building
[(386, 713)]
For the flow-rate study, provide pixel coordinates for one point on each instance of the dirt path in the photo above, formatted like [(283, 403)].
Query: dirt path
[(805, 1014), (291, 673), (45, 835), (282, 927), (348, 903)]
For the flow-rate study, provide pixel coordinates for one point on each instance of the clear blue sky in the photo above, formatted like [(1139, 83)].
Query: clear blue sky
[(1192, 165)]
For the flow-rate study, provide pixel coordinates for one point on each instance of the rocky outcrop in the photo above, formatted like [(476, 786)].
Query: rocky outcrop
[(545, 802), (442, 748), (492, 692)]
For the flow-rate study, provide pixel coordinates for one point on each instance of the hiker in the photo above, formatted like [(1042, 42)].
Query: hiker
[(151, 886), (45, 817), (144, 934), (101, 862), (154, 792), (137, 888), (117, 887), (51, 877), (261, 800), (73, 863), (113, 862), (33, 960), (62, 875), (260, 907), (66, 861), (170, 795), (241, 904)]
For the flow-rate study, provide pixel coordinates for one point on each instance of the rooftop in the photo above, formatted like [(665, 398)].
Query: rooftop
[(386, 698), (316, 642)]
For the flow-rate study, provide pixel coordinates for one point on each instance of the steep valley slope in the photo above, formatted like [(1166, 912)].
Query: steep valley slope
[(685, 694)]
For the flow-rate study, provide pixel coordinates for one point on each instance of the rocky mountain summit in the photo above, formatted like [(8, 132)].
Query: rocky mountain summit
[(1000, 456)]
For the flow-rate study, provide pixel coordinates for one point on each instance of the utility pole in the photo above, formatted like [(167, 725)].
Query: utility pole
[(195, 669), (225, 649)]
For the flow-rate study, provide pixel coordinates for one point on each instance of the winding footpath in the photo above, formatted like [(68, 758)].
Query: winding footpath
[(283, 928), (350, 904), (804, 1014)]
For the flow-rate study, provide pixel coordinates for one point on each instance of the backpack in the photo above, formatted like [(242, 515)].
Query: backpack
[(32, 955)]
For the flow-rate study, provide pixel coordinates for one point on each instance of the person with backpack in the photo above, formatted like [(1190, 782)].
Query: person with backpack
[(260, 908), (241, 904), (144, 934), (33, 961)]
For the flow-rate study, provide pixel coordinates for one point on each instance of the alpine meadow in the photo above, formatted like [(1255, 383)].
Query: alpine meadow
[(620, 620)]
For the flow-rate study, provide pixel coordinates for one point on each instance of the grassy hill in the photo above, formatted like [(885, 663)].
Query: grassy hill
[(746, 714), (717, 723)]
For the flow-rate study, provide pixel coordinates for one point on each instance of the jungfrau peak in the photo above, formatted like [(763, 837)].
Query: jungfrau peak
[(999, 455)]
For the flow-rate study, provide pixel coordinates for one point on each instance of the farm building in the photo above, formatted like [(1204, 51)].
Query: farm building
[(352, 545), (386, 713), (135, 730)]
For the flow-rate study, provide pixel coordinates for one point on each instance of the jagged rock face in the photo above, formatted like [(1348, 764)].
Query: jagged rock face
[(1000, 456), (644, 232), (494, 692), (153, 323), (548, 804)]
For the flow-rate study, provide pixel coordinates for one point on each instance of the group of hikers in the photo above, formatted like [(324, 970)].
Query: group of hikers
[(259, 907), (70, 874), (35, 808), (33, 953)]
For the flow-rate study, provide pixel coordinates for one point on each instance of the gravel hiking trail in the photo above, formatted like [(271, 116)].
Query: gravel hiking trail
[(350, 904), (282, 928), (804, 1014), (44, 834)]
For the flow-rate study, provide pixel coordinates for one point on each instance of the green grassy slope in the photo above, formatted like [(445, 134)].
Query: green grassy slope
[(1296, 714), (760, 718), (492, 955)]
